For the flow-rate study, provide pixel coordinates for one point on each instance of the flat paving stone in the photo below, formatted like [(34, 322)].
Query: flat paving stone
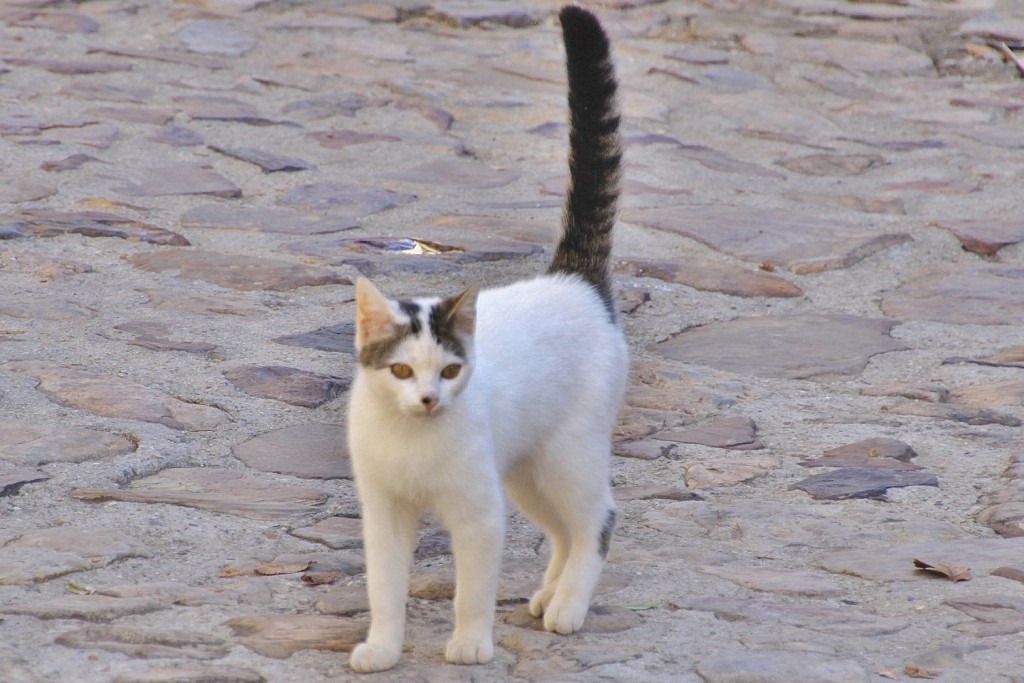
[(290, 385), (192, 673), (92, 224), (111, 396), (12, 479), (775, 580), (181, 178), (835, 621), (983, 294), (211, 37), (704, 474), (309, 451), (145, 644), (896, 563), (282, 635), (214, 489), (985, 237), (267, 161), (237, 272), (712, 276), (799, 242), (334, 532), (349, 199), (878, 453), (338, 338), (32, 444), (734, 433), (286, 221), (861, 482), (87, 607), (457, 172), (813, 347), (779, 666)]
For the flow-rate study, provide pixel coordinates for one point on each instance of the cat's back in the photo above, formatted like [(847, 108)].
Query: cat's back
[(549, 329)]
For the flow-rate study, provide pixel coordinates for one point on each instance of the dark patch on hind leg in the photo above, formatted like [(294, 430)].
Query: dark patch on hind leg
[(605, 539)]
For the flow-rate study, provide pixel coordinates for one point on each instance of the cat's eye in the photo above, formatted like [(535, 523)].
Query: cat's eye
[(401, 371), (451, 371)]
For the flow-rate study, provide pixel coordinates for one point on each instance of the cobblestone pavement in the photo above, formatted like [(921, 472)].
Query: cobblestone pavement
[(821, 272)]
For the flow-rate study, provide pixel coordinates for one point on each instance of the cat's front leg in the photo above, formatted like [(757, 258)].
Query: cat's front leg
[(389, 533), (477, 529)]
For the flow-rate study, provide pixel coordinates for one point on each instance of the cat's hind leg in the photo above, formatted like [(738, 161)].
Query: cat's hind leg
[(573, 477), (525, 491)]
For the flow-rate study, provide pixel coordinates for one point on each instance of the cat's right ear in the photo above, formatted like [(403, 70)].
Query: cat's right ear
[(373, 314)]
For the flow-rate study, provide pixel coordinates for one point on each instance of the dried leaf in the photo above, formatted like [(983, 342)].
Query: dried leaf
[(80, 588), (915, 671), (951, 571), (273, 569), (888, 673), (231, 572), (642, 606), (320, 578)]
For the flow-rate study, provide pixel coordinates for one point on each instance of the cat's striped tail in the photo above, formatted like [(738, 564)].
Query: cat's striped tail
[(595, 155)]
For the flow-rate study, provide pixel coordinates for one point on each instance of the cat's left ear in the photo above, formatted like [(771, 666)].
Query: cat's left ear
[(460, 311), (373, 314)]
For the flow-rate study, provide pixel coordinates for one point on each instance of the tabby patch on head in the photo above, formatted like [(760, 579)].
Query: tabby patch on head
[(420, 349)]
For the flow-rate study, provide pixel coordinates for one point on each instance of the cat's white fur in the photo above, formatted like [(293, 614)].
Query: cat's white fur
[(532, 412)]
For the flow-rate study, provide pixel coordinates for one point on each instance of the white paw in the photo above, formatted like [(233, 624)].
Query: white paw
[(540, 601), (367, 658), (565, 618), (469, 651)]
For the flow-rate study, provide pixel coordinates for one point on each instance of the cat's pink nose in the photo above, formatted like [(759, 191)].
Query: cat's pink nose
[(429, 402)]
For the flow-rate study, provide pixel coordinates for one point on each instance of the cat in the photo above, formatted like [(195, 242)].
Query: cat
[(517, 387)]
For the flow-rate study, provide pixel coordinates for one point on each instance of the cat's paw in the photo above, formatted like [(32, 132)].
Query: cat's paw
[(540, 601), (469, 651), (367, 658), (565, 617)]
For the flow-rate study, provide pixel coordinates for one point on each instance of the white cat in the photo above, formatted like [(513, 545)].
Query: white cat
[(515, 388)]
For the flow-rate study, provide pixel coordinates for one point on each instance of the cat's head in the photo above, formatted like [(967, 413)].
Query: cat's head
[(417, 353)]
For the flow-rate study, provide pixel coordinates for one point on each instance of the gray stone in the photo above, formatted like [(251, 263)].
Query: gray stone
[(93, 224), (896, 563), (145, 644), (734, 433), (287, 221), (12, 479), (209, 37), (281, 635), (191, 673), (799, 242), (846, 622), (338, 338), (297, 387), (334, 532), (181, 178), (310, 451), (352, 200), (32, 444), (779, 666), (712, 276), (215, 489), (87, 607), (861, 482), (776, 580), (237, 272), (267, 161), (115, 397), (983, 294), (816, 347)]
